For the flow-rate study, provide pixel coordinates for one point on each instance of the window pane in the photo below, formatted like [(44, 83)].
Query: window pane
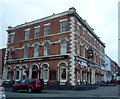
[(47, 49), (47, 30), (63, 73), (33, 80), (84, 33), (78, 48), (27, 34), (63, 46), (63, 26), (10, 53), (78, 76), (23, 73), (37, 32), (12, 36), (45, 74), (78, 29), (36, 50), (26, 51), (17, 74)]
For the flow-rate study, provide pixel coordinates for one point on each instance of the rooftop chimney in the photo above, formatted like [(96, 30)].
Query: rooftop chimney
[(9, 27), (72, 9)]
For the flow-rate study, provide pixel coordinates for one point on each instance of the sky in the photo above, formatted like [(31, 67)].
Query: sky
[(102, 15)]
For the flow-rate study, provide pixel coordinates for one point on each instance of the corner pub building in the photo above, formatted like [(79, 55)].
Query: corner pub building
[(61, 49)]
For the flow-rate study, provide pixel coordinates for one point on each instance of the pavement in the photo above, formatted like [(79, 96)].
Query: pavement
[(2, 93)]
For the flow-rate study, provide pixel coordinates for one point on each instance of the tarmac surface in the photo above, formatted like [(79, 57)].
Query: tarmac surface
[(104, 92)]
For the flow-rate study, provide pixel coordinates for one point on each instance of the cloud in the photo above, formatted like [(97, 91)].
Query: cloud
[(100, 15)]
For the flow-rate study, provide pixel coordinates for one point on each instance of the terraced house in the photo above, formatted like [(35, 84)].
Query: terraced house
[(61, 49)]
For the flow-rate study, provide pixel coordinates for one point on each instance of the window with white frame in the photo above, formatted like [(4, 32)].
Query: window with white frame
[(95, 57), (46, 48), (97, 44), (8, 71), (12, 37), (84, 31), (78, 28), (94, 42), (63, 46), (36, 50), (35, 71), (27, 34), (78, 76), (103, 50), (62, 72), (83, 50), (10, 53), (17, 73), (47, 30), (78, 47), (99, 47), (26, 47), (90, 39), (45, 72), (24, 75), (37, 32), (63, 26)]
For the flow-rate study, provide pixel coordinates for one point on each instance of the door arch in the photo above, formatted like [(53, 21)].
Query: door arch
[(34, 71)]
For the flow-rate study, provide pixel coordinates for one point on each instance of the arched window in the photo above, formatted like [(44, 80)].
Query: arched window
[(35, 71), (45, 72), (62, 72), (36, 49), (46, 48), (24, 75), (17, 73), (26, 51), (63, 46), (8, 73)]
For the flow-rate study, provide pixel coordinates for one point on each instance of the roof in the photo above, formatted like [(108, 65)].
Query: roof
[(71, 11)]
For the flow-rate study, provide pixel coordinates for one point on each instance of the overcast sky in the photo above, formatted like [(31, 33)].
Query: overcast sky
[(102, 15)]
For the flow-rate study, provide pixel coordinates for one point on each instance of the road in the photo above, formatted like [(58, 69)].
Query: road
[(106, 91)]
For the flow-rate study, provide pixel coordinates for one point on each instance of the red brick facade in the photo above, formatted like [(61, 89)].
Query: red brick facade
[(78, 68), (2, 54)]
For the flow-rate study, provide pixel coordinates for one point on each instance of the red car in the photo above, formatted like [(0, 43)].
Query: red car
[(30, 85)]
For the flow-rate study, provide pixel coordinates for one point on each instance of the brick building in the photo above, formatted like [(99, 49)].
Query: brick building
[(114, 69), (61, 49), (2, 54), (111, 69)]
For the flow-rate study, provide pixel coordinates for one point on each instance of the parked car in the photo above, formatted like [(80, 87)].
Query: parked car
[(29, 84)]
